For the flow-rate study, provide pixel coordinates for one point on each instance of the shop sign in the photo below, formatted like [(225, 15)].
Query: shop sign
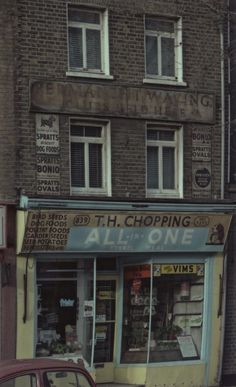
[(122, 101), (87, 231), (47, 154), (48, 174), (159, 270), (201, 144), (201, 182), (47, 134), (2, 227), (187, 347), (66, 303), (88, 308)]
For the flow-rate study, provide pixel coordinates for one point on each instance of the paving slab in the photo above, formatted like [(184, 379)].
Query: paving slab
[(119, 385)]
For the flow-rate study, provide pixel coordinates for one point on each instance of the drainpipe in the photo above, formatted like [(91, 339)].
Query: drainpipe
[(224, 275), (229, 95), (222, 111)]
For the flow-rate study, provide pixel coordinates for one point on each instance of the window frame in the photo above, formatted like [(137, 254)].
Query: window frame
[(104, 72), (177, 192), (205, 306), (177, 79), (105, 141)]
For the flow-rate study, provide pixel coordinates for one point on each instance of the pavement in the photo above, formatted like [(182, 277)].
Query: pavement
[(118, 385)]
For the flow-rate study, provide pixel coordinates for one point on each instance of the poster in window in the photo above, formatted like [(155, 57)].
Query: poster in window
[(88, 308), (187, 346)]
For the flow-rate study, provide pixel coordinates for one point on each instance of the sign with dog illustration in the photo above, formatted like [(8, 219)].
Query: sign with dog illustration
[(126, 231)]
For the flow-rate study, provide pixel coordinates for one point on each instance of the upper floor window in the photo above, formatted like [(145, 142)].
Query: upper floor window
[(164, 161), (90, 157), (163, 49), (88, 41)]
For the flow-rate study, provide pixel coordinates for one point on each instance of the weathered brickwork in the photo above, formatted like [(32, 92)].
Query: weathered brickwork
[(42, 55), (7, 78)]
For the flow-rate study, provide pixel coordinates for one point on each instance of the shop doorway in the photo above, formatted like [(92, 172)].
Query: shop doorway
[(105, 327)]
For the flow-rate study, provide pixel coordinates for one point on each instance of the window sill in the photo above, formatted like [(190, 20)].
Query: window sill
[(164, 82), (89, 193), (82, 74), (174, 195)]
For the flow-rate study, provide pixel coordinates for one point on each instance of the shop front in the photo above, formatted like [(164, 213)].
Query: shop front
[(134, 291)]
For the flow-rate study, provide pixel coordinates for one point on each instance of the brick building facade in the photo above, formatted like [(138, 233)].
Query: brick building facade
[(120, 158), (44, 48)]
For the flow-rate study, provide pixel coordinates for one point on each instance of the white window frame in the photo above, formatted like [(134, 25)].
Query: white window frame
[(177, 79), (104, 72), (177, 192), (105, 140)]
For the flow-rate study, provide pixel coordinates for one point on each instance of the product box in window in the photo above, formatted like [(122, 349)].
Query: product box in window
[(70, 333)]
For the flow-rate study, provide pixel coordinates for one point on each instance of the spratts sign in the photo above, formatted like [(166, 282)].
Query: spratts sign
[(124, 231)]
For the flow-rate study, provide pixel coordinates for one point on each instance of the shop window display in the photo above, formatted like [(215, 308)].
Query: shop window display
[(65, 309), (162, 312)]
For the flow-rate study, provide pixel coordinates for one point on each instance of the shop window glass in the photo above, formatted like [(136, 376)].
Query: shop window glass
[(170, 313), (136, 309), (65, 309)]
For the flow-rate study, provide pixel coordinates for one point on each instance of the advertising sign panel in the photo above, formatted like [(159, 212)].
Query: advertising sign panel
[(87, 231)]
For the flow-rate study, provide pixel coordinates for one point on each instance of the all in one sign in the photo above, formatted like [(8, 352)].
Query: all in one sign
[(86, 231)]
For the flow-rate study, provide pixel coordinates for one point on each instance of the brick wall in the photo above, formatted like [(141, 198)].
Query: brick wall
[(7, 120), (42, 54)]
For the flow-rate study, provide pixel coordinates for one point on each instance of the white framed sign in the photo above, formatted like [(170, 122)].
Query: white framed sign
[(2, 227), (187, 346)]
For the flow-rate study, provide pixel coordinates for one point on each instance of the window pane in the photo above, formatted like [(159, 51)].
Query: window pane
[(166, 135), (136, 314), (75, 47), (159, 25), (77, 130), (77, 165), (168, 168), (160, 135), (95, 165), (168, 57), (65, 311), (57, 311), (152, 167), (66, 379), (93, 41), (24, 381), (86, 131), (152, 134), (93, 131), (84, 16), (151, 55), (178, 292)]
